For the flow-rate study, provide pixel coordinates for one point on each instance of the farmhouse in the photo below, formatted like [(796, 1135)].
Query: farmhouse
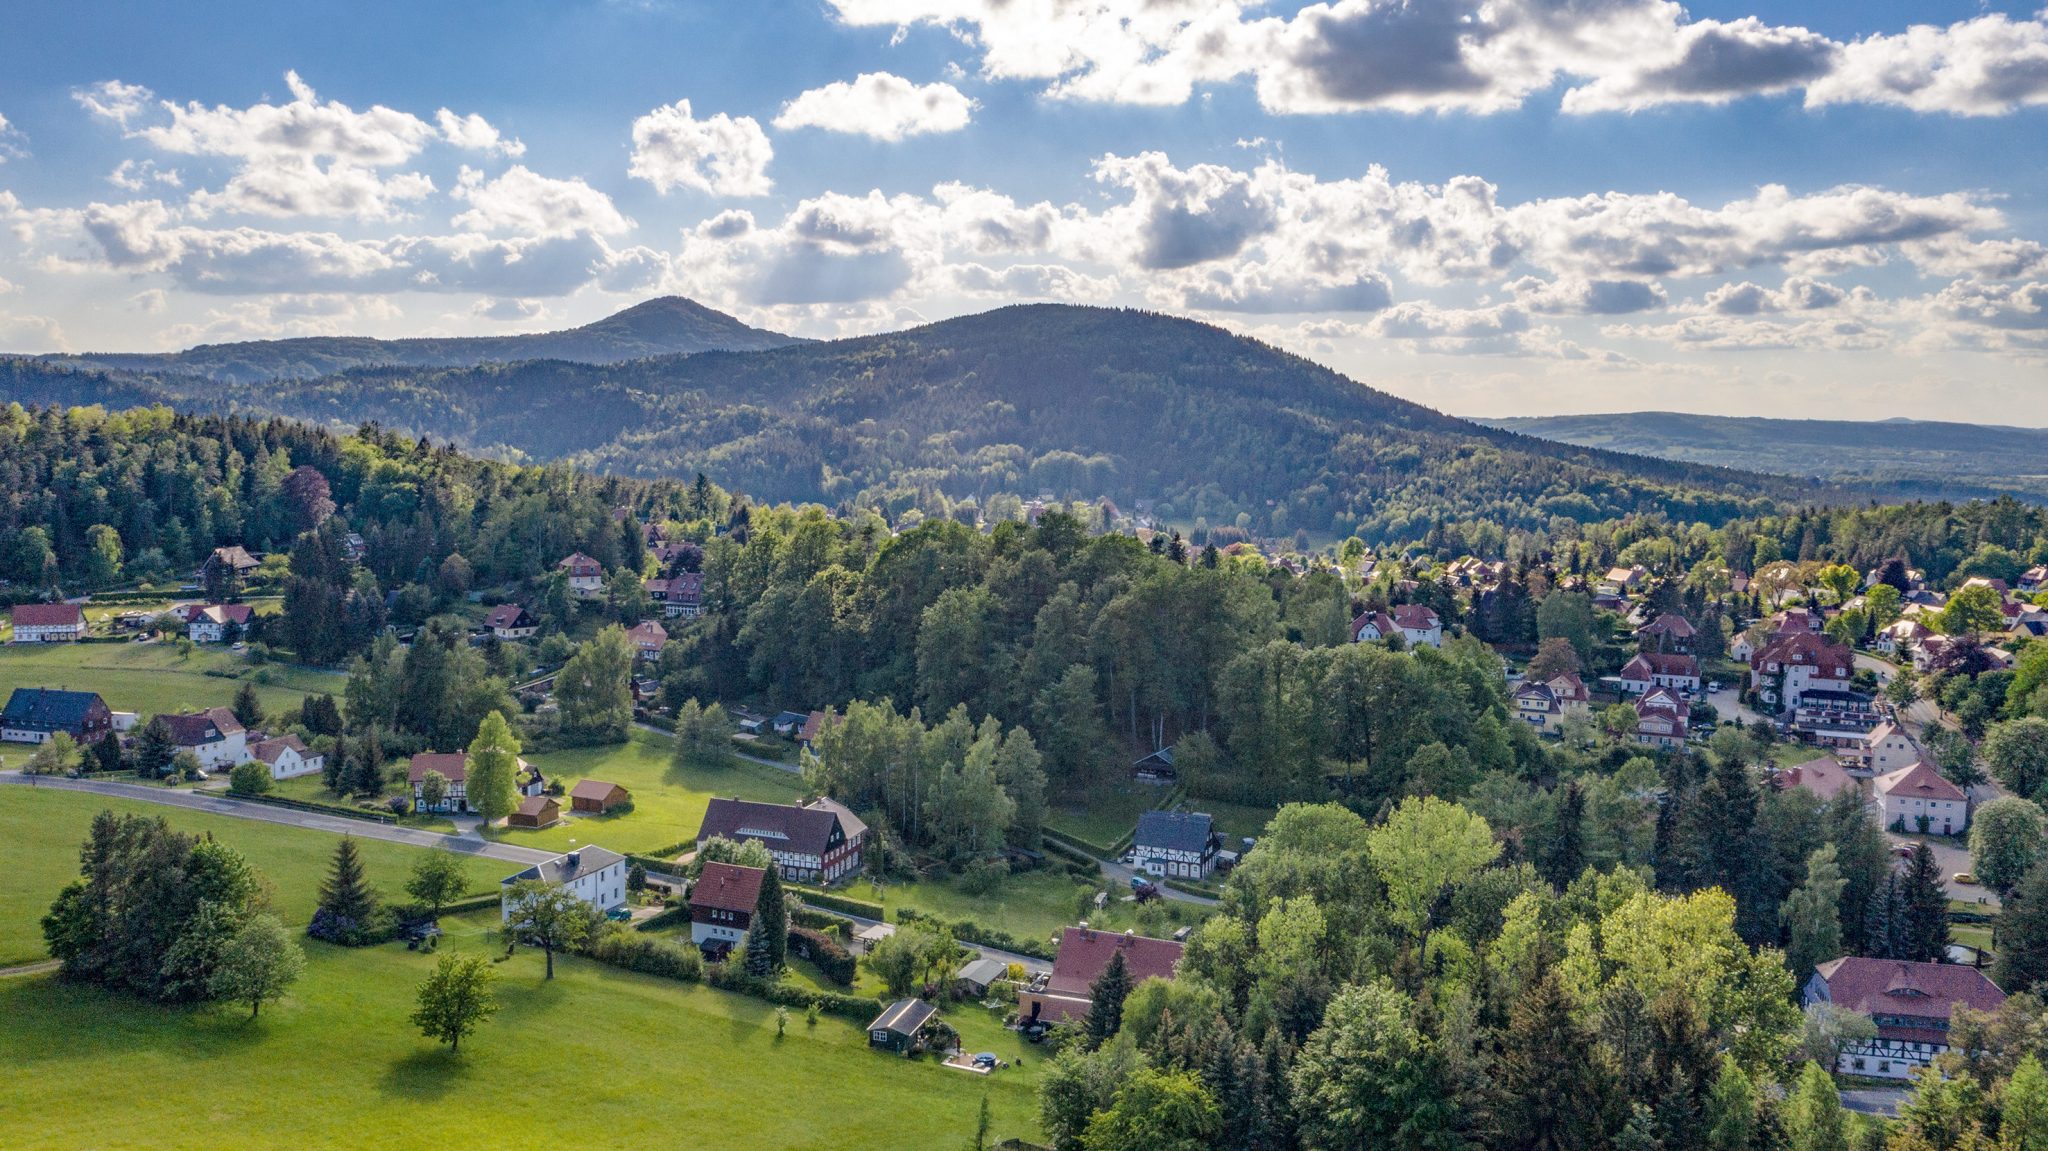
[(48, 623), (1176, 844), (215, 622), (819, 842), (722, 903), (596, 797), (1083, 954), (287, 757), (34, 714), (1911, 1003), (510, 621), (586, 575), (1920, 799), (215, 736), (592, 874), (453, 766)]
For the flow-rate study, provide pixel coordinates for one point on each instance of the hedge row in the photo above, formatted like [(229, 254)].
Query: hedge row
[(968, 931), (825, 921), (1076, 843), (673, 917), (646, 954), (319, 808), (734, 977), (834, 961), (840, 903)]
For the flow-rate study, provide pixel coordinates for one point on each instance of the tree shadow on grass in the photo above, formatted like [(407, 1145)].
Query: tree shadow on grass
[(426, 1075)]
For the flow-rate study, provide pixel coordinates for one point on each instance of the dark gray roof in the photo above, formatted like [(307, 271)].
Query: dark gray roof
[(780, 826), (1174, 830), (1163, 756), (559, 870), (48, 709), (904, 1016), (983, 972)]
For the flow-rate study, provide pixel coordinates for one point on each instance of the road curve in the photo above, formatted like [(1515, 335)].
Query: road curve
[(265, 813)]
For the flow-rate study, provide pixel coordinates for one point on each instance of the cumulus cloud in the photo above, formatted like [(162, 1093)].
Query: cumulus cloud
[(525, 203), (113, 101), (476, 134), (12, 142), (720, 154), (1573, 296), (1471, 56), (31, 333), (1797, 294), (1750, 334), (280, 315), (135, 175), (881, 105), (506, 311)]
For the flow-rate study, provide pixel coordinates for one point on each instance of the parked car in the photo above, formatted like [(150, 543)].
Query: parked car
[(1965, 878)]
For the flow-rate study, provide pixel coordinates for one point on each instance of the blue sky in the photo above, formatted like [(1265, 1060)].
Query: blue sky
[(1531, 206)]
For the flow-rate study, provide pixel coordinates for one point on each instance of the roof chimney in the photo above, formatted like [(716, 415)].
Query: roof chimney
[(575, 857)]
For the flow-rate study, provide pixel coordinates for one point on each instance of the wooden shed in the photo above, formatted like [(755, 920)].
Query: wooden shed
[(896, 1028), (596, 796), (536, 811)]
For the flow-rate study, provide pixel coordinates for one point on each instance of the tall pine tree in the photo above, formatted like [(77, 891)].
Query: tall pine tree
[(768, 937), (1925, 932), (1106, 1000), (348, 905)]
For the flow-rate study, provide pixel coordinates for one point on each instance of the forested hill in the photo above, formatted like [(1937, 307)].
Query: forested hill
[(1073, 401), (1909, 457), (659, 327)]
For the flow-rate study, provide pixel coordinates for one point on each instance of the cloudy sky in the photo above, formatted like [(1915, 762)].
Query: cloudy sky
[(1831, 208)]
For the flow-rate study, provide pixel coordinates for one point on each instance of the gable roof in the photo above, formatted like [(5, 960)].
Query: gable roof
[(533, 806), (202, 727), (1569, 687), (1084, 953), (850, 825), (505, 615), (904, 1017), (268, 750), (595, 789), (579, 564), (560, 869), (1670, 623), (222, 614), (1655, 663), (47, 615), (1806, 649), (728, 887), (1381, 622), (1415, 617), (1660, 699), (1897, 987), (453, 766), (1919, 781), (803, 830), (1174, 830), (234, 554), (45, 708), (1824, 777)]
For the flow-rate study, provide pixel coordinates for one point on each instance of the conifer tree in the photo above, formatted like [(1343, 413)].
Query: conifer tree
[(2022, 937), (154, 749), (1106, 1000), (1924, 935), (247, 707), (768, 937), (347, 901)]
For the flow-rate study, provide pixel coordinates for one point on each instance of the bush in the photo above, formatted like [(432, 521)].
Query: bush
[(840, 903), (646, 954), (733, 977), (346, 932), (834, 961), (968, 931), (673, 917), (831, 925), (984, 876), (251, 778)]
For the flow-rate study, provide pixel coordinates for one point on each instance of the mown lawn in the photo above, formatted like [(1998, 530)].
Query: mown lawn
[(668, 802), (41, 829), (597, 1057), (1106, 816), (1028, 905), (150, 677)]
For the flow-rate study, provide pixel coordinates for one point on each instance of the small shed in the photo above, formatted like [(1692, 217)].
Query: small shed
[(536, 811), (865, 939), (597, 797), (1156, 768), (896, 1028), (976, 977)]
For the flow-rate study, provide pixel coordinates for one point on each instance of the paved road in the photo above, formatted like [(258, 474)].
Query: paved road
[(469, 844), (1875, 1100), (1031, 964), (1121, 876)]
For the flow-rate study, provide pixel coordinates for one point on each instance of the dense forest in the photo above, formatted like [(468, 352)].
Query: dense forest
[(1202, 427)]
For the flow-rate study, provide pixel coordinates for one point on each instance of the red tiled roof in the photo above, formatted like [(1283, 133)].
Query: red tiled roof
[(727, 887), (47, 615), (1895, 987), (1823, 777), (1919, 781), (596, 789), (1084, 953), (1806, 649), (453, 766), (648, 632), (1671, 624), (1415, 617), (269, 749), (1655, 663)]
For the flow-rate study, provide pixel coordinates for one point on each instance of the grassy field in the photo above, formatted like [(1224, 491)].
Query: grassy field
[(151, 678), (41, 829), (1107, 816), (668, 802), (597, 1057), (1031, 905)]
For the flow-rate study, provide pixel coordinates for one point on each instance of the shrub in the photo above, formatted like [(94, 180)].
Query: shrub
[(647, 954), (824, 921), (344, 931), (834, 961), (968, 931), (840, 903), (251, 778), (733, 977)]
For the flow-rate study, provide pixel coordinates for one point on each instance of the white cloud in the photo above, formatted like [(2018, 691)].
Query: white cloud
[(1749, 334), (136, 175), (30, 333), (1983, 67), (527, 204), (12, 142), (881, 105), (721, 154), (476, 134), (1797, 294), (1998, 259), (1573, 296), (282, 315), (1710, 62), (114, 101), (506, 311)]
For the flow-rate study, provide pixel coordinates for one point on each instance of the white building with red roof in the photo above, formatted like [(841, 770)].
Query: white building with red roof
[(1419, 625), (1911, 1003), (586, 575), (1920, 799), (1661, 718), (48, 622), (1796, 662), (1084, 954)]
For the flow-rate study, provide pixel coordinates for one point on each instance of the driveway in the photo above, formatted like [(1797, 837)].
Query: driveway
[(265, 813), (1952, 858), (1729, 707), (1875, 1100), (1121, 877)]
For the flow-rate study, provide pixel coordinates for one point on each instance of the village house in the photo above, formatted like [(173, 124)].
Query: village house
[(48, 622), (1911, 1003), (1660, 718), (1823, 778), (287, 757), (215, 622), (812, 727), (1882, 750), (722, 903), (1680, 673), (592, 874), (1620, 581), (1536, 705), (2034, 580), (1082, 955), (1372, 625), (819, 842), (34, 714), (235, 558), (1419, 625), (1176, 844), (215, 736), (1920, 799), (453, 766), (1572, 694), (586, 575), (1793, 663), (511, 621), (680, 596), (1901, 638), (1669, 632), (648, 639), (1155, 768)]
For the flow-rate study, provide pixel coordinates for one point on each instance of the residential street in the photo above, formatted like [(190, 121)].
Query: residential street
[(243, 809), (1121, 877)]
